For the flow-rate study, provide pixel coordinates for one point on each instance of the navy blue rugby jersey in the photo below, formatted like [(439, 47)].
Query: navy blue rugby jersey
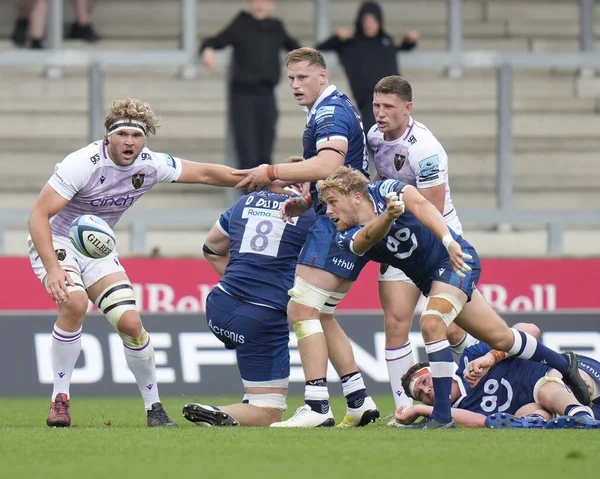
[(409, 246), (335, 118), (263, 249)]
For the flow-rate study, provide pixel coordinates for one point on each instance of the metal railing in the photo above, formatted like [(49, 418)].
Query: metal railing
[(139, 222), (454, 60)]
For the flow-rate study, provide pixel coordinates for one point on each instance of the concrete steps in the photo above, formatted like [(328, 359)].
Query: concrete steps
[(556, 119), (208, 126)]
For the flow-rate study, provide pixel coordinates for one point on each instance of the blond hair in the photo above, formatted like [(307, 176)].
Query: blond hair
[(344, 179), (306, 54), (130, 109)]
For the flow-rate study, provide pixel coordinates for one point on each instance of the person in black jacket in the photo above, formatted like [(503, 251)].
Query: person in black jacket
[(257, 40), (367, 56)]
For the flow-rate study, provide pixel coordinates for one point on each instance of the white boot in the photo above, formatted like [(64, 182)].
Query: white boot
[(306, 417)]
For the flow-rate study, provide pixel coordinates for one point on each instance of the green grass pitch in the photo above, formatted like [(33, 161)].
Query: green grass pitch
[(109, 439)]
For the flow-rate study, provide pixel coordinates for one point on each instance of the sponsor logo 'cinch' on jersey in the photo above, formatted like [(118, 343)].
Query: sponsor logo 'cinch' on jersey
[(93, 183)]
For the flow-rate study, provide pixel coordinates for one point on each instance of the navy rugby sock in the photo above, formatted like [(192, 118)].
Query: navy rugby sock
[(442, 369), (527, 347)]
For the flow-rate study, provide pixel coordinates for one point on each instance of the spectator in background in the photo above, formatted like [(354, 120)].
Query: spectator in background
[(367, 56), (257, 40), (82, 28), (32, 17)]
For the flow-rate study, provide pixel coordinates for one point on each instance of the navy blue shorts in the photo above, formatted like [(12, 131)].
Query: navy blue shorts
[(259, 335), (444, 273), (322, 251)]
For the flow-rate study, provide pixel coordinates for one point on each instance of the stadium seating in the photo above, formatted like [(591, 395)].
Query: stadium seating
[(556, 120)]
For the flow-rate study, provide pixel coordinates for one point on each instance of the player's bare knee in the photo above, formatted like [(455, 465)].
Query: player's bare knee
[(432, 327), (397, 325), (130, 324), (440, 311), (546, 388), (72, 313), (297, 312)]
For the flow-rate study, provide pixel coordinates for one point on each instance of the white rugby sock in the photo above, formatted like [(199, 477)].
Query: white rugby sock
[(66, 348), (398, 361), (142, 365)]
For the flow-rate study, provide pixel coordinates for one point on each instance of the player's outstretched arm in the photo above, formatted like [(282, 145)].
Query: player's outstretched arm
[(429, 215), (48, 203), (378, 229), (465, 418), (216, 249), (206, 174), (331, 155)]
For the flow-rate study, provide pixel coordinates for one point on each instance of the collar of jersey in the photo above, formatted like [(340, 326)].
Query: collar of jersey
[(461, 388), (328, 91)]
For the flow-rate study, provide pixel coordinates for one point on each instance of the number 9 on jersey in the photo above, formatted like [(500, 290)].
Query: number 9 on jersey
[(92, 236)]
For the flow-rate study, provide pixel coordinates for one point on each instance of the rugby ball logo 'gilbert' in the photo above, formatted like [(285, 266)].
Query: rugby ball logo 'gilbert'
[(92, 236)]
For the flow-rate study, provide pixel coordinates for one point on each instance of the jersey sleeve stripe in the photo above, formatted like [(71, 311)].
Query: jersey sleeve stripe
[(352, 245), (330, 138), (221, 229)]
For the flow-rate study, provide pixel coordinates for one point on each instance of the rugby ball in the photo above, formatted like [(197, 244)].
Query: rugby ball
[(92, 236)]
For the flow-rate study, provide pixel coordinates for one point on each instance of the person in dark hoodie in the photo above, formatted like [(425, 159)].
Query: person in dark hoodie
[(367, 56), (257, 40)]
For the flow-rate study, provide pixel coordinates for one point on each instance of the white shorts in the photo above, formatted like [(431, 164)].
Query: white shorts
[(91, 270), (394, 274)]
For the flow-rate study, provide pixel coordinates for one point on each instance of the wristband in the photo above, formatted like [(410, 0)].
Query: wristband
[(498, 355), (271, 173), (446, 240), (308, 199)]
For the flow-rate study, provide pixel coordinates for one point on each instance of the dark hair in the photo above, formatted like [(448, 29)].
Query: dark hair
[(408, 376), (394, 85)]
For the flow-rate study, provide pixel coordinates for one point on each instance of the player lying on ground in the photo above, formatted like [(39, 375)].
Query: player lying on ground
[(372, 221), (531, 391), (255, 252)]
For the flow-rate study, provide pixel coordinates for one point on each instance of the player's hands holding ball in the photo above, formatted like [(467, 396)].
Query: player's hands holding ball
[(395, 206)]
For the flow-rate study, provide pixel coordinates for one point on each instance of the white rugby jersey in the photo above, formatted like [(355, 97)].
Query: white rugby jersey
[(95, 185), (416, 158)]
